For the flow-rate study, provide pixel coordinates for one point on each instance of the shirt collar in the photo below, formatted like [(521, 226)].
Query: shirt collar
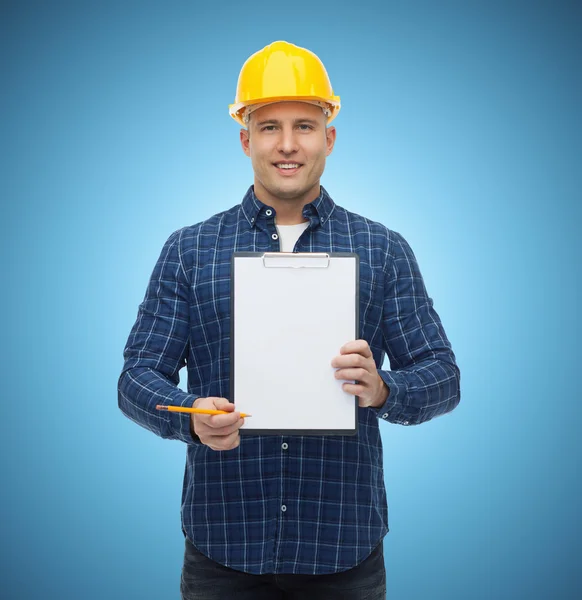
[(318, 211)]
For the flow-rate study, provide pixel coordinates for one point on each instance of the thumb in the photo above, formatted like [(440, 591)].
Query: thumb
[(223, 404)]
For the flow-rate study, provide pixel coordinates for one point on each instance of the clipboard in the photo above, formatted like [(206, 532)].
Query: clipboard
[(290, 315)]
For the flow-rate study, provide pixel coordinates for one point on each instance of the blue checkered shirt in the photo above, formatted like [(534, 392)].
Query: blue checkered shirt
[(283, 504)]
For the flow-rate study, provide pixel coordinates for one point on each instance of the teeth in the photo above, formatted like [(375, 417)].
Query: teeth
[(288, 166)]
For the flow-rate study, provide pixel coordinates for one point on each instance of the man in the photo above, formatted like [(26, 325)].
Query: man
[(284, 516)]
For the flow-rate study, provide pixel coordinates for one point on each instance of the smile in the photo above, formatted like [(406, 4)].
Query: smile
[(287, 169), (287, 165)]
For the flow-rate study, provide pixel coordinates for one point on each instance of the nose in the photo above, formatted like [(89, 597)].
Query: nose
[(287, 142)]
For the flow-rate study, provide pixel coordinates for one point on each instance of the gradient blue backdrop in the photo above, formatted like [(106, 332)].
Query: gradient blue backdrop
[(460, 128)]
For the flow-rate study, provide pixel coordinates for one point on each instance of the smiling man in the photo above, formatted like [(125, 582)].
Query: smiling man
[(284, 516)]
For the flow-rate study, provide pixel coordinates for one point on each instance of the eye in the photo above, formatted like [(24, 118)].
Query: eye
[(305, 127), (268, 128)]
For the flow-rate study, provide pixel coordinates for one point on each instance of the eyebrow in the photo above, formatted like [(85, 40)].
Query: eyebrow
[(295, 122)]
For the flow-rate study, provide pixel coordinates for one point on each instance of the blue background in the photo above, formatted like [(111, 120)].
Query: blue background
[(460, 128)]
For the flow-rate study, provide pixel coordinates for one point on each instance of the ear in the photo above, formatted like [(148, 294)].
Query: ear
[(244, 141), (329, 139)]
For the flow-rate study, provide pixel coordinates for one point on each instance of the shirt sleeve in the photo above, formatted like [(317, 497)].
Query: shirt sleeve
[(157, 349), (424, 380)]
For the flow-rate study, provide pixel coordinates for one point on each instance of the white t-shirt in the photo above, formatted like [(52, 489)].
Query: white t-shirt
[(289, 234)]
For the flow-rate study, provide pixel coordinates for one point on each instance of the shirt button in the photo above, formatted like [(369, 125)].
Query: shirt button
[(268, 212), (275, 236), (283, 508), (284, 445)]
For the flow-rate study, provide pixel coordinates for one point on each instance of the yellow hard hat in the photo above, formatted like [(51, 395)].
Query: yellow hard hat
[(282, 71)]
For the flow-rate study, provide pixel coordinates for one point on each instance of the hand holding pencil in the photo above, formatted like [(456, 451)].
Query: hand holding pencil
[(217, 427)]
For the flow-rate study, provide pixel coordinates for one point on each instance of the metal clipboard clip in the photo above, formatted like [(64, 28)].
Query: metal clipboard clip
[(296, 260)]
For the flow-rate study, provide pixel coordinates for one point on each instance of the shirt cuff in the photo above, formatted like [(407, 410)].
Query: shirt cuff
[(392, 409), (180, 422)]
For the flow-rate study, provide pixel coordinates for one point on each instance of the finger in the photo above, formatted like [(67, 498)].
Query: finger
[(220, 421), (223, 404), (211, 436), (215, 421), (214, 403), (224, 431), (363, 401), (353, 388), (203, 429), (224, 443), (350, 360), (358, 374), (357, 347)]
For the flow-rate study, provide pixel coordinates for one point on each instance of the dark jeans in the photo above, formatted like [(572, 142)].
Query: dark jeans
[(204, 579)]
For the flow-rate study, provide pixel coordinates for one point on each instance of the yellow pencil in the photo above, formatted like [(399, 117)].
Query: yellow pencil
[(198, 411)]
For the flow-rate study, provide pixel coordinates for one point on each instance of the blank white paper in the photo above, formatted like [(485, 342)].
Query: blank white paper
[(289, 323)]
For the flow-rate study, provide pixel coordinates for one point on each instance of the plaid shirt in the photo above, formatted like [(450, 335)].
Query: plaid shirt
[(283, 504)]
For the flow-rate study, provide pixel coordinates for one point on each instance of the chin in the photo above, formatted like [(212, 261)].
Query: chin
[(290, 193)]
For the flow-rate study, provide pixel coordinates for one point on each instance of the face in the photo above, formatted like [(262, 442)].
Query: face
[(292, 134)]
